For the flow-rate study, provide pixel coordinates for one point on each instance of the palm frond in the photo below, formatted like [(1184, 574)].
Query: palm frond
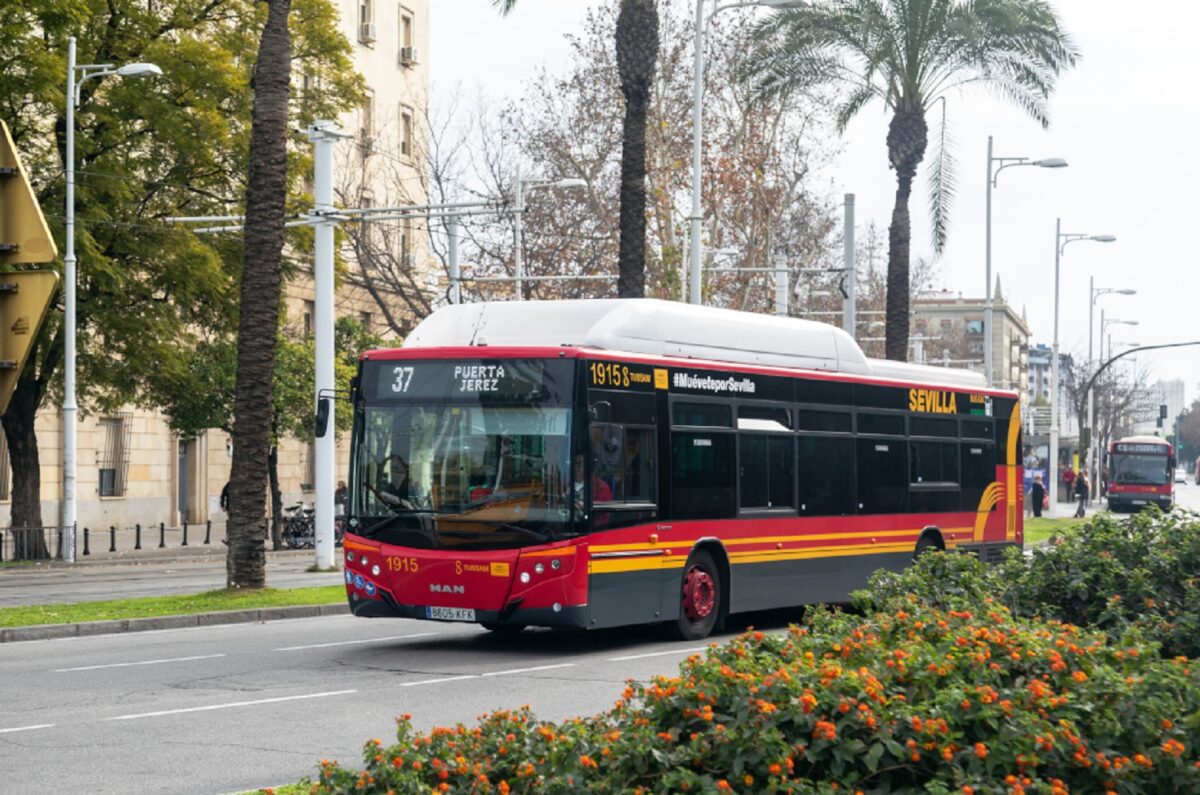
[(942, 182), (505, 6)]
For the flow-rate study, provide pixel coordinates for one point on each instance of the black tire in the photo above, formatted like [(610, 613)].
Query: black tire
[(700, 598), (502, 629), (925, 543)]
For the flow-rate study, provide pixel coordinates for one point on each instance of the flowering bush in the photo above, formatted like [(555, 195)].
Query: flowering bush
[(1141, 573), (915, 700)]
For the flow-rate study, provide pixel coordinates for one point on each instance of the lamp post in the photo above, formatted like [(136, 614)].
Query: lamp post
[(992, 176), (1095, 292), (1061, 240), (519, 212), (694, 242), (77, 74)]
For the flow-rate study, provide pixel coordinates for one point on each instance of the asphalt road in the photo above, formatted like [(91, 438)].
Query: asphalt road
[(60, 584), (1187, 495), (232, 708)]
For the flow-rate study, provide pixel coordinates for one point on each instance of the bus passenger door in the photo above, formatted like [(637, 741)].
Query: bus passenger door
[(625, 569)]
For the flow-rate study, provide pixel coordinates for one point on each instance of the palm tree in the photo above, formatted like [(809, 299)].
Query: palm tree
[(909, 54), (637, 54), (266, 189)]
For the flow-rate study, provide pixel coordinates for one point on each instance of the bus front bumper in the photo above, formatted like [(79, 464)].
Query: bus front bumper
[(512, 615)]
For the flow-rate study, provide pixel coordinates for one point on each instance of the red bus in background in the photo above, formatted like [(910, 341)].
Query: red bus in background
[(602, 463), (1141, 471)]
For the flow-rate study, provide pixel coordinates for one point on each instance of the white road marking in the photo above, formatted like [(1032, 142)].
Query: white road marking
[(439, 681), (656, 654), (528, 670), (231, 705), (27, 728), (140, 662), (353, 642)]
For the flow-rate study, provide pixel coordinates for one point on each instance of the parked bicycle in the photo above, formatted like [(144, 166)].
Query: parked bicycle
[(299, 527)]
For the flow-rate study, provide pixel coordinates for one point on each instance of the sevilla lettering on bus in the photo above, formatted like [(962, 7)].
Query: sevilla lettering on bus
[(473, 378), (932, 401)]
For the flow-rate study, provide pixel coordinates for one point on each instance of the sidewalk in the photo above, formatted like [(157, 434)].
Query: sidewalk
[(157, 572)]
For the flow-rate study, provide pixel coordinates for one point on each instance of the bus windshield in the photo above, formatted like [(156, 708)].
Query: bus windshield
[(1150, 470), (446, 465)]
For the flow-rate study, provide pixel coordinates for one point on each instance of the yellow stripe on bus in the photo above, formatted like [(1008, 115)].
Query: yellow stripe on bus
[(641, 546)]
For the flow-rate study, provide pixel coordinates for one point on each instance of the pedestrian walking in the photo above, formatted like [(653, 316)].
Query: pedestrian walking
[(225, 497), (1037, 495), (1081, 493), (1068, 480)]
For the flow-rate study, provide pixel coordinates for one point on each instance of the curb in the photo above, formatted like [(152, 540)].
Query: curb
[(88, 628)]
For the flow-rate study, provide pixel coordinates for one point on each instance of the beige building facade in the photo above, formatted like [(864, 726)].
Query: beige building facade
[(952, 328), (131, 469)]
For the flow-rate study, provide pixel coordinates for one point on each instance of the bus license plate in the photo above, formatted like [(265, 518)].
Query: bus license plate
[(1138, 502), (450, 613)]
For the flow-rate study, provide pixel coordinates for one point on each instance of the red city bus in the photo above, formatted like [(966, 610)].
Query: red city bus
[(601, 463), (1141, 471)]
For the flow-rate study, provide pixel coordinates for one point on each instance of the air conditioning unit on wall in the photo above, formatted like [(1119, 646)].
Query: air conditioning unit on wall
[(408, 56), (366, 32)]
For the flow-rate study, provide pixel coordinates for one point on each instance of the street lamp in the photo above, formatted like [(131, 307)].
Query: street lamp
[(992, 176), (519, 211), (696, 217), (76, 75), (1095, 292), (1061, 240)]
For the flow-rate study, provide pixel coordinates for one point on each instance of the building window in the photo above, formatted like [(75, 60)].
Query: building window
[(364, 318), (946, 324), (406, 236), (113, 455), (5, 469), (406, 28), (406, 131), (310, 311), (366, 21), (366, 135), (974, 326)]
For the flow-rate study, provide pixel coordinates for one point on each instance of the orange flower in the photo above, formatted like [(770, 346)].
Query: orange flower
[(981, 750), (1173, 747), (775, 769)]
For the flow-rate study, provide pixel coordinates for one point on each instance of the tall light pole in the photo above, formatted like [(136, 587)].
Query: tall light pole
[(992, 176), (696, 216), (1095, 292), (1061, 240), (76, 75), (519, 212)]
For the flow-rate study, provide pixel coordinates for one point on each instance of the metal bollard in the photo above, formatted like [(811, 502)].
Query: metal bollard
[(162, 535), (137, 537), (208, 531), (184, 534), (112, 538), (86, 551)]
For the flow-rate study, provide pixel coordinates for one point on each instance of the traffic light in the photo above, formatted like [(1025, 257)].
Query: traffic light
[(24, 295), (1162, 414), (24, 236)]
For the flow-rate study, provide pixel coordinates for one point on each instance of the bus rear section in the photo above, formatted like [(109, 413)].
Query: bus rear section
[(1140, 473)]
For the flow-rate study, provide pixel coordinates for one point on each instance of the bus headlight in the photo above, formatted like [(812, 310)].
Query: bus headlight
[(375, 569), (350, 555), (524, 577), (538, 568), (555, 564)]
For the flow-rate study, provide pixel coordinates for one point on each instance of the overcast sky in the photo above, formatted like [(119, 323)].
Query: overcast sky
[(1125, 118)]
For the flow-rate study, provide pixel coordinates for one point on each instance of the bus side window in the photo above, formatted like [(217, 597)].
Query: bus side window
[(702, 475)]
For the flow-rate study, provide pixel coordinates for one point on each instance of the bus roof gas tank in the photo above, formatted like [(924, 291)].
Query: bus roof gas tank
[(668, 328)]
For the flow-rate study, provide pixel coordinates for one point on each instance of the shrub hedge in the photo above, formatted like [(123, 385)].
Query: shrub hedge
[(940, 687)]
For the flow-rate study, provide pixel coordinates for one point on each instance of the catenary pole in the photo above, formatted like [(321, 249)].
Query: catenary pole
[(848, 274), (69, 405), (323, 134), (1052, 465)]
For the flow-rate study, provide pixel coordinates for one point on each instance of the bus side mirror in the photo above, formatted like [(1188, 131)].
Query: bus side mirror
[(322, 418)]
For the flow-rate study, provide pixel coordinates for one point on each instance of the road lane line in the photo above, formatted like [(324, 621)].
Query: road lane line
[(352, 642), (231, 705), (27, 728), (438, 681), (528, 670), (656, 654), (140, 662)]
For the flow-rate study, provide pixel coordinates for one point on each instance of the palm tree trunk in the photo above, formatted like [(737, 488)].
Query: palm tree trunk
[(637, 51), (906, 141), (276, 498), (261, 284), (29, 542)]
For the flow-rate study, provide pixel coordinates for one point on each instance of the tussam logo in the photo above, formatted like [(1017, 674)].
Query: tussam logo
[(436, 588), (710, 384)]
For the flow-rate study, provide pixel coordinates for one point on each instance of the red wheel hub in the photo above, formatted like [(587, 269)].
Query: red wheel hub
[(699, 593)]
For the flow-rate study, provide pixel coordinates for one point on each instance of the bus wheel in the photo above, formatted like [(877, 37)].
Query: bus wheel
[(503, 629), (926, 543), (700, 597)]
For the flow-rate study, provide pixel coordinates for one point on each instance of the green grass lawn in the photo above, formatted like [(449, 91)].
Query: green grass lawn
[(1039, 530), (184, 604)]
